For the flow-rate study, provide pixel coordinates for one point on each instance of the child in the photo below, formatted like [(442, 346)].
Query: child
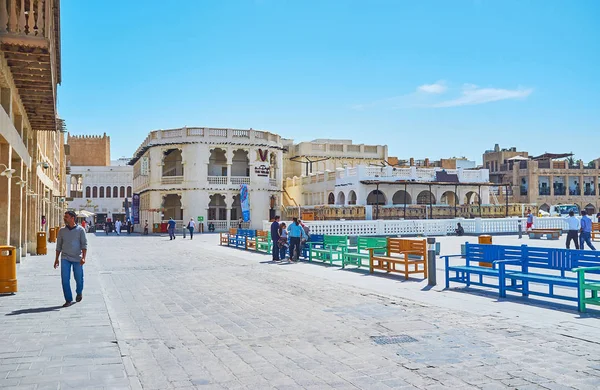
[(283, 241)]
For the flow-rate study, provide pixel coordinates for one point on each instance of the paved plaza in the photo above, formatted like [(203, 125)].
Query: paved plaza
[(185, 314)]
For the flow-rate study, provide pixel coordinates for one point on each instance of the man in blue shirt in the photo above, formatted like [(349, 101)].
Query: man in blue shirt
[(275, 237), (171, 229), (296, 232), (586, 231)]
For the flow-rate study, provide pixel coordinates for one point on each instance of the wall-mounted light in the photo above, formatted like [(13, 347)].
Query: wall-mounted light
[(8, 172)]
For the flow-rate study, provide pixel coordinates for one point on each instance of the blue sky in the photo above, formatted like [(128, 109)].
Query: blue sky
[(429, 78)]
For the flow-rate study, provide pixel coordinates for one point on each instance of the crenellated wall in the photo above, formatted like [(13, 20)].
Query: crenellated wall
[(88, 150)]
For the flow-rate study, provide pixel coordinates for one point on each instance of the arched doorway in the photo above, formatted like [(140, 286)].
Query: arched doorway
[(240, 161), (449, 198), (172, 207), (172, 163), (236, 208), (217, 163), (352, 197), (472, 198), (376, 197), (331, 198), (401, 197), (426, 197), (341, 198), (217, 209)]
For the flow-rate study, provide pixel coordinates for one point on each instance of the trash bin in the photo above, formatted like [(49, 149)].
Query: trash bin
[(41, 243), (163, 227), (485, 239), (52, 235), (8, 269)]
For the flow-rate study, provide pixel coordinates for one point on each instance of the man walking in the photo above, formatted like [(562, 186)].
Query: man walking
[(72, 244), (572, 233), (275, 237), (586, 231), (171, 228), (118, 227), (296, 234), (191, 226)]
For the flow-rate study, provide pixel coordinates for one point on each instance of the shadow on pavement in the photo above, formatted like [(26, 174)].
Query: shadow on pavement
[(35, 310)]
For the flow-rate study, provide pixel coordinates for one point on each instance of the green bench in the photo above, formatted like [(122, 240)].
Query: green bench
[(332, 249), (356, 255), (264, 243)]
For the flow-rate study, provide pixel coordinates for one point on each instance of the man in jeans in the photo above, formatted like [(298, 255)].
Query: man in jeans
[(296, 234), (72, 243), (586, 231), (275, 237), (573, 224), (171, 228)]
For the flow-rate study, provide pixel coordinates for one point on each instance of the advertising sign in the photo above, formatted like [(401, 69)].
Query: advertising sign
[(245, 201), (135, 208)]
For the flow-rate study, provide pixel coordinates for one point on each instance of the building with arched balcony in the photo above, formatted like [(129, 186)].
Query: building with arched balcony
[(196, 172)]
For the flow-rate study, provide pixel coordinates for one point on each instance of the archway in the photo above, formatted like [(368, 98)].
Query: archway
[(352, 197), (102, 192), (449, 198), (376, 197), (94, 192), (591, 209), (217, 163), (108, 192), (172, 207), (172, 163), (426, 197), (88, 192), (472, 198), (331, 198), (240, 163), (236, 208), (401, 197), (217, 209), (341, 198)]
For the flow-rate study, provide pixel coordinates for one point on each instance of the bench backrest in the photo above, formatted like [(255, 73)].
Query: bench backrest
[(588, 259), (246, 232), (335, 240), (396, 246), (488, 253), (363, 243), (596, 226), (233, 231), (262, 233), (316, 238)]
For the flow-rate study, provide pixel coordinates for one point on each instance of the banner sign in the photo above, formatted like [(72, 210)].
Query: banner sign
[(144, 166), (245, 201), (135, 208)]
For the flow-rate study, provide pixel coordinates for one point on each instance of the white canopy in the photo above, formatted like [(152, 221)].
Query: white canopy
[(84, 214), (517, 158)]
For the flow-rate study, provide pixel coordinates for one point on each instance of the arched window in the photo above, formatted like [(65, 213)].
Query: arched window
[(331, 198), (102, 192), (129, 191), (115, 192), (108, 192), (88, 192), (122, 192), (94, 192)]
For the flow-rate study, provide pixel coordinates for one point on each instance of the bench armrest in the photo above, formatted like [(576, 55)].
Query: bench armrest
[(584, 269), (448, 256)]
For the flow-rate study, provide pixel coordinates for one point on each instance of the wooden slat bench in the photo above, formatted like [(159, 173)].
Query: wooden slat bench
[(241, 237), (595, 230), (264, 243), (550, 234), (330, 250), (401, 256), (251, 241), (356, 255), (553, 267), (224, 238)]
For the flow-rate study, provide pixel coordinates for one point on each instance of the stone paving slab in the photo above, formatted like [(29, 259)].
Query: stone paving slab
[(160, 314)]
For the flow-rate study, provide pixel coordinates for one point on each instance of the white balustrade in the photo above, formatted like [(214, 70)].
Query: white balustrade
[(217, 132), (217, 179), (171, 180), (237, 180), (172, 133), (195, 131), (220, 226), (241, 133)]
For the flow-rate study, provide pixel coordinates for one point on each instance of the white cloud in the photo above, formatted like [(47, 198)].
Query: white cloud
[(472, 95), (436, 88)]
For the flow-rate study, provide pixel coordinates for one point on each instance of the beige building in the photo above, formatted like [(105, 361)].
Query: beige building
[(546, 180), (88, 150), (32, 156)]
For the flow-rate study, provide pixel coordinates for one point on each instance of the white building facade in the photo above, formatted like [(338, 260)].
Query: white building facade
[(101, 190), (388, 186), (196, 173)]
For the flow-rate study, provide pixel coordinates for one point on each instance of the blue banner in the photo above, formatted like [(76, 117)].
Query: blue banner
[(135, 208), (245, 202)]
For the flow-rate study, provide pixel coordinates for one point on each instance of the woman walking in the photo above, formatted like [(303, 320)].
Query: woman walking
[(283, 241)]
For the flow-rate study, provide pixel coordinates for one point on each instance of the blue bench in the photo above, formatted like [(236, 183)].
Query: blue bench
[(241, 237), (552, 267), (474, 254), (315, 240)]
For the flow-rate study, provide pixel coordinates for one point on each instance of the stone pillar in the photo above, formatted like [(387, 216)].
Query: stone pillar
[(25, 213), (16, 219), (551, 185), (5, 193)]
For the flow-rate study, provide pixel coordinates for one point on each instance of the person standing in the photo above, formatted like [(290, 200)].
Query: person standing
[(572, 233), (240, 223), (529, 220), (296, 233), (83, 224), (282, 243), (190, 226), (586, 231), (129, 226), (275, 238), (171, 228), (146, 228), (71, 246)]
